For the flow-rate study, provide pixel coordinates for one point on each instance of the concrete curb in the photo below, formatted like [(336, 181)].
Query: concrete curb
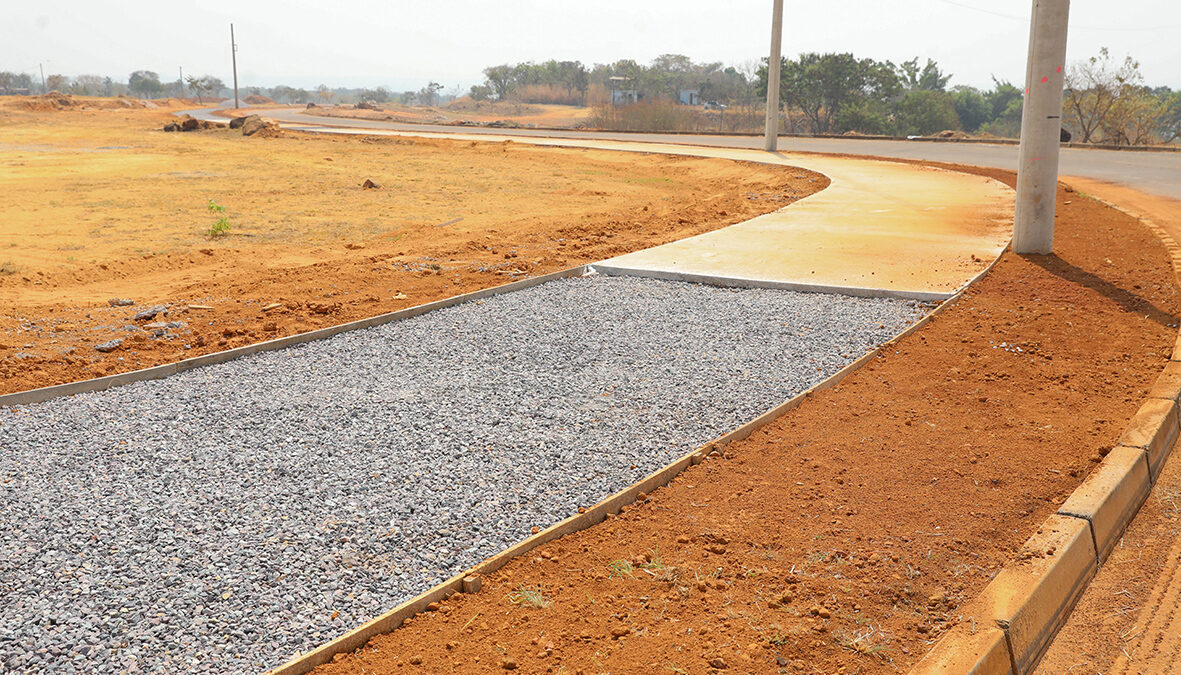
[(1031, 598), (157, 372), (391, 620)]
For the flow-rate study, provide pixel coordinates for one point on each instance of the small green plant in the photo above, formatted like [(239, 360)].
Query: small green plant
[(222, 226), (530, 597), (620, 568)]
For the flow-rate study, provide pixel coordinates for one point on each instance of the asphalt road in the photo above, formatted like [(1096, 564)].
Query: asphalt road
[(1154, 172)]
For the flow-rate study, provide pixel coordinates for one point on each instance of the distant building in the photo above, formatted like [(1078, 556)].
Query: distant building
[(689, 97), (623, 91)]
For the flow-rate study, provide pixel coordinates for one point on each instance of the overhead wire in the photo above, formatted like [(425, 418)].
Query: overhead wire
[(1073, 26)]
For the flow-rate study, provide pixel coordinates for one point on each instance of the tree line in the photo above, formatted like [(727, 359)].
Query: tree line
[(573, 83), (1104, 101)]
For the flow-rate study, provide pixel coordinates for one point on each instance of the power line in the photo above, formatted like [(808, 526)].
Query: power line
[(1025, 19)]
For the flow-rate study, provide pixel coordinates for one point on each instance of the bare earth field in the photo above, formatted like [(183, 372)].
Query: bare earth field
[(469, 112), (843, 537), (100, 205)]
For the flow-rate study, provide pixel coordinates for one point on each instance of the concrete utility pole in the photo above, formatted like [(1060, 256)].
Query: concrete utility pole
[(180, 86), (1041, 128), (234, 56), (44, 89), (772, 129)]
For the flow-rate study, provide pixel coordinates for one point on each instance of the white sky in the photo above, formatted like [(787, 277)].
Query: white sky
[(402, 45)]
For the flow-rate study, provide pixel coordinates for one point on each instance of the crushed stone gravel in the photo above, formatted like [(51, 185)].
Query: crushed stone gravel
[(223, 519)]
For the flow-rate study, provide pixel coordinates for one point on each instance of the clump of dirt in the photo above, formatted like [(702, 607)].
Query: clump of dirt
[(258, 99), (954, 134), (57, 101), (844, 536)]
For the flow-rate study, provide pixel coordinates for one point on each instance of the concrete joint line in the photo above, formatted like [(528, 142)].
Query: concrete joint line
[(1032, 597), (391, 620), (739, 282)]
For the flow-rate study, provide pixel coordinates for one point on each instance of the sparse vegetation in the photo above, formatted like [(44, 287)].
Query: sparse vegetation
[(222, 226), (528, 597), (620, 568)]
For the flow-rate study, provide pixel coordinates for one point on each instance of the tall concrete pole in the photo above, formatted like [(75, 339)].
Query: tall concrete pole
[(1041, 126), (772, 129), (234, 55)]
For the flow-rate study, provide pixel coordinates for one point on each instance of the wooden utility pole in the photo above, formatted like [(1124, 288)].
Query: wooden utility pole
[(1041, 128), (772, 129), (234, 56)]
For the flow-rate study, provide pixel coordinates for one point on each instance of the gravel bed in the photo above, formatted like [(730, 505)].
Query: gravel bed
[(221, 519)]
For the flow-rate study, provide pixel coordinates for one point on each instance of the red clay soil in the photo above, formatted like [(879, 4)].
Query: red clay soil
[(843, 537)]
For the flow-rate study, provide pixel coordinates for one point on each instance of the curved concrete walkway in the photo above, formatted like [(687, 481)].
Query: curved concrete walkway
[(880, 228), (1154, 172)]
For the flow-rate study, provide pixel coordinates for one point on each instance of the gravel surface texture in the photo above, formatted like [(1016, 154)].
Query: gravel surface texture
[(224, 518)]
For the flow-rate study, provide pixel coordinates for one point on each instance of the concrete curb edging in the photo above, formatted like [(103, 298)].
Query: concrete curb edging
[(1031, 598), (164, 370), (391, 620)]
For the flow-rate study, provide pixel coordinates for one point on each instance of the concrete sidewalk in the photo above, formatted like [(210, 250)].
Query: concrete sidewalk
[(880, 228)]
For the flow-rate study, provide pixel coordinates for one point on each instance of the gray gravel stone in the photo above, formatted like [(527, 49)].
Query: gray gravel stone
[(149, 313), (213, 521), (109, 346)]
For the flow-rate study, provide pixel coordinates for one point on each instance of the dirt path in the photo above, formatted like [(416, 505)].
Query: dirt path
[(1129, 620), (843, 537), (99, 205)]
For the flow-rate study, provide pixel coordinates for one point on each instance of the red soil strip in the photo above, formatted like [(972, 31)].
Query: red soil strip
[(842, 537)]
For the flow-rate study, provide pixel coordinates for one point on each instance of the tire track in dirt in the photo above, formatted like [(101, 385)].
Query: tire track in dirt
[(1161, 635)]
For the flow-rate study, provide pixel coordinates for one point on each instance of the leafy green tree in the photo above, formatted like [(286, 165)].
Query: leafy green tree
[(923, 112), (821, 84), (1170, 123), (927, 78), (203, 85), (480, 92), (144, 83), (971, 108), (500, 79), (866, 116)]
